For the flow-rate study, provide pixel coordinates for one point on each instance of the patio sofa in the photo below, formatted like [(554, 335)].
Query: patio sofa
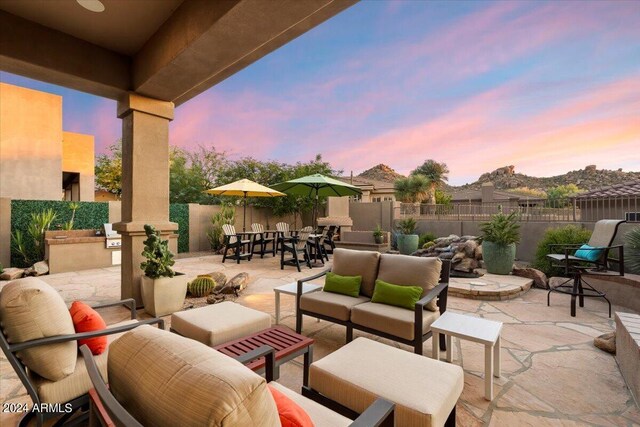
[(411, 327), (157, 378)]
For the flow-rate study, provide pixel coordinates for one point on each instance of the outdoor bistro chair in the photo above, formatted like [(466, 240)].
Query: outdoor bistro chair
[(296, 245), (47, 313), (238, 242), (263, 238), (592, 258)]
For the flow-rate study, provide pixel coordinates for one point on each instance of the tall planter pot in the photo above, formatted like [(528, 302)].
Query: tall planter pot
[(407, 243), (498, 259), (165, 295)]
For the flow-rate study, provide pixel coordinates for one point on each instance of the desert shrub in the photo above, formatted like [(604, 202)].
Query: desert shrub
[(226, 215), (426, 238), (569, 235), (407, 226)]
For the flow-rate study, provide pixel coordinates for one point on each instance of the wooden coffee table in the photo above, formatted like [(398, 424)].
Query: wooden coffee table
[(287, 344)]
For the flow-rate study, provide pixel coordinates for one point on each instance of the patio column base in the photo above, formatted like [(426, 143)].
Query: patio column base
[(145, 182)]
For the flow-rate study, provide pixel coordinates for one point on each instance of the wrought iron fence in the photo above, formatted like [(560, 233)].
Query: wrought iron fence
[(551, 210)]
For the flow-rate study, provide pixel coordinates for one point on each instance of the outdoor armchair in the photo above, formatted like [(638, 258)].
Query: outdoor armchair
[(295, 245), (263, 238), (200, 386), (67, 393)]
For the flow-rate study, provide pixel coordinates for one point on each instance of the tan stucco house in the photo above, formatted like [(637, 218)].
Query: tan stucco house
[(38, 160)]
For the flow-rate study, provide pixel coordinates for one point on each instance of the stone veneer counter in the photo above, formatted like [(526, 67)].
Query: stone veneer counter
[(628, 350)]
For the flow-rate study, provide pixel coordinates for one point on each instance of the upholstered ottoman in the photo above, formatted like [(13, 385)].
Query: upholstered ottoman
[(219, 323), (424, 390)]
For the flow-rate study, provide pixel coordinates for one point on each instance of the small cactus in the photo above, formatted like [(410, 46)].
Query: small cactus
[(201, 286)]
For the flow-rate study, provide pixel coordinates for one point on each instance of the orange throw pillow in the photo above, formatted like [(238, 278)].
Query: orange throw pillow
[(291, 415), (86, 319)]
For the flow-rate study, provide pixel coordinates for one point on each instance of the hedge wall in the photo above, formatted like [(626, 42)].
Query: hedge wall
[(179, 212), (90, 215)]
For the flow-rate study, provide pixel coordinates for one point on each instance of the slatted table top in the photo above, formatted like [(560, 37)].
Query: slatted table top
[(281, 338)]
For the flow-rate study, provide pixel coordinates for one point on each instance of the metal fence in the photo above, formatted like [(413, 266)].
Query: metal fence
[(556, 210)]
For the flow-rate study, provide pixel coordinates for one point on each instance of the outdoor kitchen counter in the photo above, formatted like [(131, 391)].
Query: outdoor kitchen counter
[(75, 250)]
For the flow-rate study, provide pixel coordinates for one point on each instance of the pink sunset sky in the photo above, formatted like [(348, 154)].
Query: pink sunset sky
[(546, 86)]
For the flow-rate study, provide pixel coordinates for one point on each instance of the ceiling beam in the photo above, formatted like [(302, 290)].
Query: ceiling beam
[(41, 53)]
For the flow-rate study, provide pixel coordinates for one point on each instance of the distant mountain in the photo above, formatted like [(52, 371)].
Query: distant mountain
[(589, 178), (381, 172)]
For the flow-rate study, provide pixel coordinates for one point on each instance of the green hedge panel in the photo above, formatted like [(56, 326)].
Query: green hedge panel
[(89, 216), (179, 212)]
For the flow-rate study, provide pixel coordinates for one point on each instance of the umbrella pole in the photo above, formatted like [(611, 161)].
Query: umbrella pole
[(315, 215), (244, 214)]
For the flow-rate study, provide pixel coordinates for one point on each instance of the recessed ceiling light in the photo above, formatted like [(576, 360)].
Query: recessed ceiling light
[(92, 5)]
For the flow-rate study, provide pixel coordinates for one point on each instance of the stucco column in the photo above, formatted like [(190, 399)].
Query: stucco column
[(145, 181)]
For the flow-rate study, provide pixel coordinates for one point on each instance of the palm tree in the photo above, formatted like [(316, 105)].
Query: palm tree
[(412, 189), (435, 173)]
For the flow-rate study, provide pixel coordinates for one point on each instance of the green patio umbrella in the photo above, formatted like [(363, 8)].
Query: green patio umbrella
[(314, 186)]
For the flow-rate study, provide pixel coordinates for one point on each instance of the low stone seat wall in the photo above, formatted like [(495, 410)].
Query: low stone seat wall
[(363, 241), (628, 350)]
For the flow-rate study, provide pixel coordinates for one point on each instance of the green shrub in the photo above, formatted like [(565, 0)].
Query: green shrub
[(179, 212), (89, 216), (569, 235), (159, 257), (226, 215), (426, 238), (632, 250), (407, 226), (428, 245)]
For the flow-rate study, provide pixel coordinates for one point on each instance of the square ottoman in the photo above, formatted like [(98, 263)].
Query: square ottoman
[(424, 390), (219, 323)]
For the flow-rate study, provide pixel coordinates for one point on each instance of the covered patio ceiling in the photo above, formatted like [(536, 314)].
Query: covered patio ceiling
[(169, 50)]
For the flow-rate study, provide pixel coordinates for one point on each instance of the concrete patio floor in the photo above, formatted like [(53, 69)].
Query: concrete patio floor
[(551, 372)]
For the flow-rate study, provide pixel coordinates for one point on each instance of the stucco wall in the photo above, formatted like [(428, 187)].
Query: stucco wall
[(366, 216), (78, 156), (5, 232), (30, 144)]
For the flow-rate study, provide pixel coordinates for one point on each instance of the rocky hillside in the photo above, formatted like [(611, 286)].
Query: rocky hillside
[(381, 173), (589, 178)]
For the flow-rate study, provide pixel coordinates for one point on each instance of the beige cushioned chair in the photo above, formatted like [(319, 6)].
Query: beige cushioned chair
[(39, 340), (410, 327), (157, 378)]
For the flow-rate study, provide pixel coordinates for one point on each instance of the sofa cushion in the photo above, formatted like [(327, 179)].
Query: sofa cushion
[(397, 295), (32, 309), (390, 319), (347, 262), (78, 383), (346, 285), (424, 390), (320, 415), (162, 378), (411, 271), (336, 306)]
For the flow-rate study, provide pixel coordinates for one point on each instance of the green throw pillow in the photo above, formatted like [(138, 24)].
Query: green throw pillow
[(347, 285), (400, 296)]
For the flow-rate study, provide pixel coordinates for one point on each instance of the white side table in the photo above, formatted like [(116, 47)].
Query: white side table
[(292, 289), (474, 329)]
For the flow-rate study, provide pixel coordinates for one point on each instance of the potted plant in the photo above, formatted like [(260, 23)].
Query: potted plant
[(378, 235), (407, 239), (163, 290), (499, 238)]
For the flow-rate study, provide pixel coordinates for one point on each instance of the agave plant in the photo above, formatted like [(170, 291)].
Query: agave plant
[(632, 250), (407, 226), (502, 229)]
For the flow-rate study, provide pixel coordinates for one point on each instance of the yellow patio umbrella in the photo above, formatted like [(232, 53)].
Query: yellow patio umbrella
[(244, 188)]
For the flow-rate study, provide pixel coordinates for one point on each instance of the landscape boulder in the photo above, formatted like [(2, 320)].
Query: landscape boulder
[(40, 268), (556, 281), (464, 252), (236, 284), (220, 279), (538, 277), (606, 342), (11, 273)]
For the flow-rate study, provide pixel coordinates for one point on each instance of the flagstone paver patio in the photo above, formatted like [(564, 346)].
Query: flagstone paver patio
[(551, 372)]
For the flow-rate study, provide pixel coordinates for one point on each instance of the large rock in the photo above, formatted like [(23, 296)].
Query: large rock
[(236, 284), (470, 248), (606, 342), (218, 277), (215, 298), (12, 273), (459, 256), (556, 281), (466, 265), (538, 277), (40, 268), (477, 253)]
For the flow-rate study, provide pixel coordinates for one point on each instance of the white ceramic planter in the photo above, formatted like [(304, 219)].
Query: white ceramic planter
[(165, 295)]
